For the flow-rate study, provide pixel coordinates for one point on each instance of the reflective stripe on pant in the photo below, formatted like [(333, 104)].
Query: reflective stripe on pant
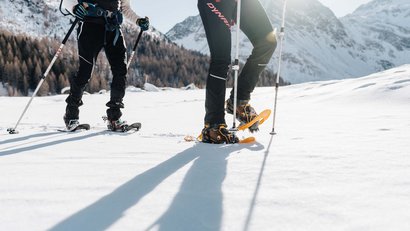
[(90, 43)]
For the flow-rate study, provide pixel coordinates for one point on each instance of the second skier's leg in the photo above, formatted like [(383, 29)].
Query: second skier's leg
[(255, 24)]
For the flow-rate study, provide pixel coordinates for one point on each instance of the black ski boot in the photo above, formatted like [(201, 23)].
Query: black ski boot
[(114, 123), (245, 113), (71, 124), (71, 115), (218, 134)]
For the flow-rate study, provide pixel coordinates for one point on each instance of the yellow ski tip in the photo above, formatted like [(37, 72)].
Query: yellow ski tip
[(262, 117), (247, 140)]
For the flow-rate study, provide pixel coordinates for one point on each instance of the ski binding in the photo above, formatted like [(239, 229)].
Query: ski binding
[(121, 127)]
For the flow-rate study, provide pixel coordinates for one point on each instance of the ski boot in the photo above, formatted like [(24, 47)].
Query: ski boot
[(71, 124), (113, 116), (72, 112), (218, 134), (245, 113)]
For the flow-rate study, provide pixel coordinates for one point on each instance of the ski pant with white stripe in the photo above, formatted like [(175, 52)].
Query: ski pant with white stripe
[(218, 17), (92, 38)]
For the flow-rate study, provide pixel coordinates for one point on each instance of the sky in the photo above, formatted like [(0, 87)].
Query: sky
[(165, 14)]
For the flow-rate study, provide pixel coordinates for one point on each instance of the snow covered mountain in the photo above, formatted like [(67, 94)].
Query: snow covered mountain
[(342, 164), (382, 30), (319, 46), (37, 18)]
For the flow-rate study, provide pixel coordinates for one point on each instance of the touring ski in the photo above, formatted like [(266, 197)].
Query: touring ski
[(246, 140), (121, 126), (260, 119)]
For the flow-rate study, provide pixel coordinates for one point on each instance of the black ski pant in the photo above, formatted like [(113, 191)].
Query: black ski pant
[(92, 38), (217, 17)]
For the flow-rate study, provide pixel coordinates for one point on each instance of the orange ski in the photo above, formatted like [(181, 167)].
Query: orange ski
[(262, 117)]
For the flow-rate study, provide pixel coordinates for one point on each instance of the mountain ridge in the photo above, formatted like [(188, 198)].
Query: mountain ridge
[(320, 46)]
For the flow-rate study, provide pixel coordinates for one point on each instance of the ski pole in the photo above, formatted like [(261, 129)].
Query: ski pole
[(281, 35), (134, 49), (13, 130), (235, 67)]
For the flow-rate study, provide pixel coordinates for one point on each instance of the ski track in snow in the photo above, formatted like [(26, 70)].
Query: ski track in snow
[(340, 161)]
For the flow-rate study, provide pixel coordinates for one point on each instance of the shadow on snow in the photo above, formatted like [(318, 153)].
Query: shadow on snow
[(197, 206), (15, 150)]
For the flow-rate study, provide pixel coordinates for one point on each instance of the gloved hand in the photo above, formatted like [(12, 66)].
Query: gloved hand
[(83, 9), (80, 11), (143, 23)]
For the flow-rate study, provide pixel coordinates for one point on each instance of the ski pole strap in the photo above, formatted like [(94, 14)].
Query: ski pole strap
[(113, 22)]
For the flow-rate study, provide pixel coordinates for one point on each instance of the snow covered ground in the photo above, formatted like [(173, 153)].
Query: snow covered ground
[(340, 161)]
